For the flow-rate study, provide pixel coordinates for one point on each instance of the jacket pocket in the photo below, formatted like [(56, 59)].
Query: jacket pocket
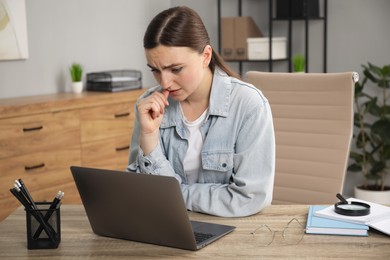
[(218, 161)]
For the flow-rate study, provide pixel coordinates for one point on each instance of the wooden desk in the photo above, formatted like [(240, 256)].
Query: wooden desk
[(79, 241)]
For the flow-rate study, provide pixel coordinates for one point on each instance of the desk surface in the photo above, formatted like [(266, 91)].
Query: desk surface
[(78, 240)]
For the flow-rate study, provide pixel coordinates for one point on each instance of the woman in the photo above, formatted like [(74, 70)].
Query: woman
[(202, 125)]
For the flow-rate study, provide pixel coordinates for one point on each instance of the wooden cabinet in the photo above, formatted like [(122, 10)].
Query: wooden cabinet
[(42, 136), (105, 135)]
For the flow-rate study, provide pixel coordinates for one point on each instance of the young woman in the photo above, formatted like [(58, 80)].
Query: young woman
[(202, 124)]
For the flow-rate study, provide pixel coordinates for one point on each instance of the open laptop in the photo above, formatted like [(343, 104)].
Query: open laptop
[(141, 207)]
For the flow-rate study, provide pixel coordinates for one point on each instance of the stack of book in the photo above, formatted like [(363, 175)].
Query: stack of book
[(324, 220)]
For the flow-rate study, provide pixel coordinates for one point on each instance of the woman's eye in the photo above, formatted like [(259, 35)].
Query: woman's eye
[(176, 70)]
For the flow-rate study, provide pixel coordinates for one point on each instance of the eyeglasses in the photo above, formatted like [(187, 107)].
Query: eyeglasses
[(292, 233)]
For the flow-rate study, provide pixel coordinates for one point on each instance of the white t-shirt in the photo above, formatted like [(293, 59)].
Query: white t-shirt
[(192, 159)]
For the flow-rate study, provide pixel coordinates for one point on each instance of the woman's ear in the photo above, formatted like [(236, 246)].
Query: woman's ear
[(207, 54)]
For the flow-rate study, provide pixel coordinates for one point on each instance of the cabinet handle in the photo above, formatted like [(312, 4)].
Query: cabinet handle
[(28, 129), (122, 148), (122, 115), (29, 168)]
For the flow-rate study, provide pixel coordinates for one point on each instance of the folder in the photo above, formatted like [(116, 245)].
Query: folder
[(227, 38)]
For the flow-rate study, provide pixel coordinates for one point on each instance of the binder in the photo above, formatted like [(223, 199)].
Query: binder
[(227, 38)]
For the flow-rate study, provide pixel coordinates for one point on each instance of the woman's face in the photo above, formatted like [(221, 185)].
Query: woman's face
[(180, 70)]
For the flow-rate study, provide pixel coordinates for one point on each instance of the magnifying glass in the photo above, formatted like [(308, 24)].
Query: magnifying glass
[(351, 208)]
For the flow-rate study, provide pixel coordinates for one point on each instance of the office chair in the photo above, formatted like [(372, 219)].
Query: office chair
[(313, 120)]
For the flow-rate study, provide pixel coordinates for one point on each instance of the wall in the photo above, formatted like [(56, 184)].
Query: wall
[(104, 34), (357, 31), (100, 34)]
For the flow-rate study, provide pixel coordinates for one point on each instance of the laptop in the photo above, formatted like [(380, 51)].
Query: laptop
[(141, 207)]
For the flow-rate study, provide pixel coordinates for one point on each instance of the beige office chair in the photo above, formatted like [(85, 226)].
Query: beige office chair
[(313, 119)]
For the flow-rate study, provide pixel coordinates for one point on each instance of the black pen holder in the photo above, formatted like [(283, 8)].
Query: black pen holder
[(43, 226)]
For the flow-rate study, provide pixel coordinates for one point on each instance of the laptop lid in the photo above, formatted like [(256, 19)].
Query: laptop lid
[(140, 207)]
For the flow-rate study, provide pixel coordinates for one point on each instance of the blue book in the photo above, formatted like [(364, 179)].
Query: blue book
[(326, 226)]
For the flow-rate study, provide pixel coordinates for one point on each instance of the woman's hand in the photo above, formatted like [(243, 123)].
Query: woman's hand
[(150, 113)]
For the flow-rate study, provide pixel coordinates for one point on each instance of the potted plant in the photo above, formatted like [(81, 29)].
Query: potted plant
[(371, 154), (299, 63), (76, 73)]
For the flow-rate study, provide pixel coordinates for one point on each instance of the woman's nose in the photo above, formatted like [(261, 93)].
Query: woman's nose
[(165, 81)]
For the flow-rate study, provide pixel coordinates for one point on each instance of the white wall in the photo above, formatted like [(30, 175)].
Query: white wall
[(357, 31), (100, 34), (107, 34)]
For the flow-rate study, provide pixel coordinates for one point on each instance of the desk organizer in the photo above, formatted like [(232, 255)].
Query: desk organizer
[(46, 234), (115, 80)]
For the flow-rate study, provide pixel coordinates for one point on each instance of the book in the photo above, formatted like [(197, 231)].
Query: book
[(379, 217), (326, 226)]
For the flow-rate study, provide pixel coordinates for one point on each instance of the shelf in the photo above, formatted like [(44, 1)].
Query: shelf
[(266, 60), (297, 19), (322, 17)]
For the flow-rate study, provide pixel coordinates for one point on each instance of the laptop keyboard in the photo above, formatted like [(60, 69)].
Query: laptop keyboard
[(200, 237)]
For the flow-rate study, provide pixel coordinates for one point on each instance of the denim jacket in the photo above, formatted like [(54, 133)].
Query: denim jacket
[(238, 154)]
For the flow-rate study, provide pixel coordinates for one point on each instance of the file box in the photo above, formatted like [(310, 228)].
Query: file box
[(258, 48)]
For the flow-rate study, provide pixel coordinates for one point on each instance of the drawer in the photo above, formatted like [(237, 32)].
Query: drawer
[(104, 122), (35, 133), (107, 154), (44, 173), (39, 170)]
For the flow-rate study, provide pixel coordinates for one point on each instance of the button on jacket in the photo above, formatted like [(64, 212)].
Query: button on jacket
[(238, 154)]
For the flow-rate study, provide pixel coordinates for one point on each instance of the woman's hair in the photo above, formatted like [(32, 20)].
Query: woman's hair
[(182, 27)]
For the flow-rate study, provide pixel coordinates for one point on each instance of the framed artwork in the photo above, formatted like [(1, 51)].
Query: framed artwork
[(13, 30)]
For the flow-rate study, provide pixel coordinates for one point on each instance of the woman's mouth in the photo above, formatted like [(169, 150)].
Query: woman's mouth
[(174, 92)]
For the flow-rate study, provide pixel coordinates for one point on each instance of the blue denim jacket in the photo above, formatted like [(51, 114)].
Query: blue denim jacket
[(238, 155)]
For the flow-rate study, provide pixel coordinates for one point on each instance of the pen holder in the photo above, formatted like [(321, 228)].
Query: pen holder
[(43, 226)]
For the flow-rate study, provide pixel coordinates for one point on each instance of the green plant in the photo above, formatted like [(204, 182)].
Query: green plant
[(299, 63), (371, 155), (76, 72)]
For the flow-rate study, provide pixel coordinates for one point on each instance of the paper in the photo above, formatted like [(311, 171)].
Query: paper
[(382, 226), (379, 217)]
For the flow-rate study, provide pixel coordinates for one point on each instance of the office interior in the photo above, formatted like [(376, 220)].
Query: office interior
[(107, 35)]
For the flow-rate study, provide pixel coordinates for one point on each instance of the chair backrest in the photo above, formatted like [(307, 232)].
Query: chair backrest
[(313, 120)]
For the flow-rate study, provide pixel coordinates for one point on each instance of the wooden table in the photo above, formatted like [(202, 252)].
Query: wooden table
[(78, 241)]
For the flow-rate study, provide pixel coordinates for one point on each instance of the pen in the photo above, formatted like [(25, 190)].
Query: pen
[(18, 194), (31, 205), (15, 191), (23, 188), (50, 212)]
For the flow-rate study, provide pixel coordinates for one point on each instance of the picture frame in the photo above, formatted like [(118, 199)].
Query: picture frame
[(13, 30)]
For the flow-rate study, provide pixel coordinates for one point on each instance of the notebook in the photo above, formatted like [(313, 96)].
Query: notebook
[(318, 225), (141, 207), (379, 217)]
